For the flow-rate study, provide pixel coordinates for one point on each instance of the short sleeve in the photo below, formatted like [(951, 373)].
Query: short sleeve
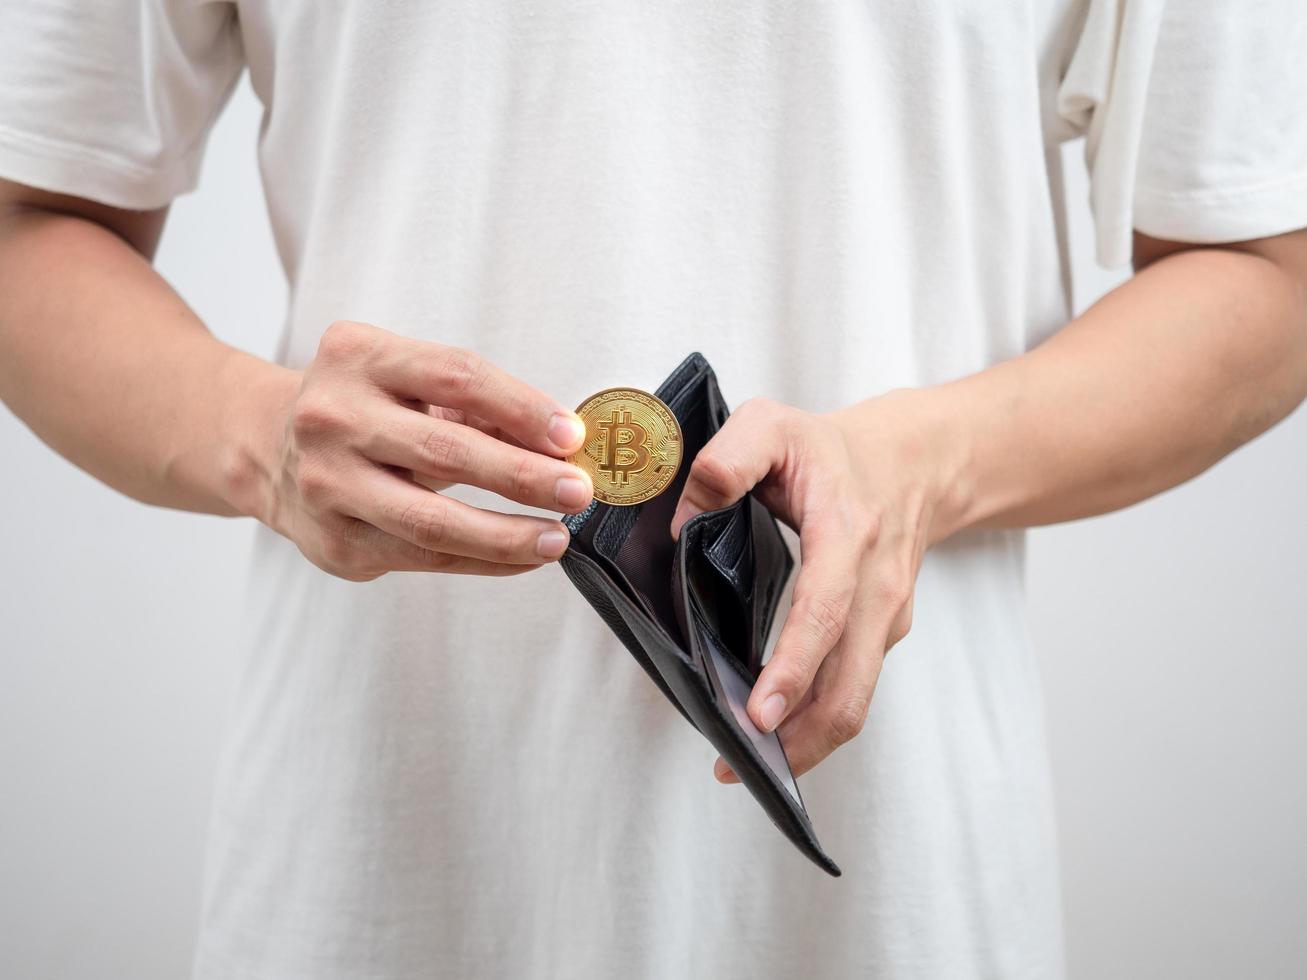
[(112, 100), (1195, 118)]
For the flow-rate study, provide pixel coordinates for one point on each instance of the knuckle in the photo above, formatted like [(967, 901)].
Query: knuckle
[(717, 473), (791, 678), (461, 371), (902, 625), (759, 405), (794, 669), (525, 480), (786, 420), (513, 548), (445, 451), (426, 526), (315, 484), (358, 573), (825, 614), (500, 549), (895, 590), (345, 340), (504, 551), (314, 416), (855, 521), (845, 719), (867, 526), (339, 556), (898, 633)]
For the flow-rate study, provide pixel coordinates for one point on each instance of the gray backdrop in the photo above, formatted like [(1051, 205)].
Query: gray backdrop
[(1172, 637)]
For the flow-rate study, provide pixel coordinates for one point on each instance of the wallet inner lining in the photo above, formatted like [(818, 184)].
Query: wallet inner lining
[(645, 556), (634, 544)]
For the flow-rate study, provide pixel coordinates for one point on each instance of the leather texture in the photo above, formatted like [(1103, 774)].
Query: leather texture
[(670, 602)]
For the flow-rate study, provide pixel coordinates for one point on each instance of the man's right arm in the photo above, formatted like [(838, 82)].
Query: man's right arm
[(108, 365)]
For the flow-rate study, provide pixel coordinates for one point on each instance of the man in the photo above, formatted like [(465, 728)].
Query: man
[(489, 210)]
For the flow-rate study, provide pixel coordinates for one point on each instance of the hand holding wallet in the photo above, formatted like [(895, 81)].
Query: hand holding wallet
[(696, 612)]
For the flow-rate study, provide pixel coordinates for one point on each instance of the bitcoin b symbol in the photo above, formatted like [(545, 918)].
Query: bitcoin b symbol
[(626, 446), (632, 448)]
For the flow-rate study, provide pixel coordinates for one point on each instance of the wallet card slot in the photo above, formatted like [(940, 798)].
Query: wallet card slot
[(715, 585), (731, 551), (719, 607)]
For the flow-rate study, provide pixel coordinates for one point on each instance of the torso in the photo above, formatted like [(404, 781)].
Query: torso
[(438, 776)]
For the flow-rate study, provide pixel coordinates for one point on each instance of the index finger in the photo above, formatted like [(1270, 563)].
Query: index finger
[(733, 462), (458, 378), (843, 687), (823, 596)]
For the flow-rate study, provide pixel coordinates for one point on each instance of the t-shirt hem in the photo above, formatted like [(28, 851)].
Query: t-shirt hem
[(1113, 243), (1215, 215), (68, 168), (1206, 217)]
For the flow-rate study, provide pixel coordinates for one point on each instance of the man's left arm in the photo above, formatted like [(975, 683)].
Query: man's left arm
[(1202, 350)]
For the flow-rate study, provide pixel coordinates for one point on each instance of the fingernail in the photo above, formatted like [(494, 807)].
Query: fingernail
[(551, 544), (566, 431), (571, 493), (724, 773), (772, 711)]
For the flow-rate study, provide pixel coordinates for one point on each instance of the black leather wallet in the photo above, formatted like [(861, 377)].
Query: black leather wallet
[(695, 612)]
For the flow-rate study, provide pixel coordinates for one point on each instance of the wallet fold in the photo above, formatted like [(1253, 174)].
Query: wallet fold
[(696, 612)]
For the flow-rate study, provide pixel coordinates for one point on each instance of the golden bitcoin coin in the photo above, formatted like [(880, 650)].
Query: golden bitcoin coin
[(632, 446)]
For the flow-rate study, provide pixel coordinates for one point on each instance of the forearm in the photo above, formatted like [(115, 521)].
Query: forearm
[(107, 364), (1198, 353)]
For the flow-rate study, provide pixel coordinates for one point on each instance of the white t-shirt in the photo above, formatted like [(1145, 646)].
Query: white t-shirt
[(444, 776)]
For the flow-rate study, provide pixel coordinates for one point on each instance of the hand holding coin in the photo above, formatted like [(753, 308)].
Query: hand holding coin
[(377, 422)]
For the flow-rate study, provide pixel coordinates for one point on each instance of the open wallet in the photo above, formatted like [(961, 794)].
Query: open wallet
[(696, 612)]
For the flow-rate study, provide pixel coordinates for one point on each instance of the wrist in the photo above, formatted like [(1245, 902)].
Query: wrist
[(257, 397), (929, 438)]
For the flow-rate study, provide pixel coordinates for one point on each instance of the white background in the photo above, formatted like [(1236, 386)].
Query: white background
[(1173, 638)]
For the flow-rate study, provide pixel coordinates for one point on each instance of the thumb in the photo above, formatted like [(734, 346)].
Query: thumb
[(731, 464)]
